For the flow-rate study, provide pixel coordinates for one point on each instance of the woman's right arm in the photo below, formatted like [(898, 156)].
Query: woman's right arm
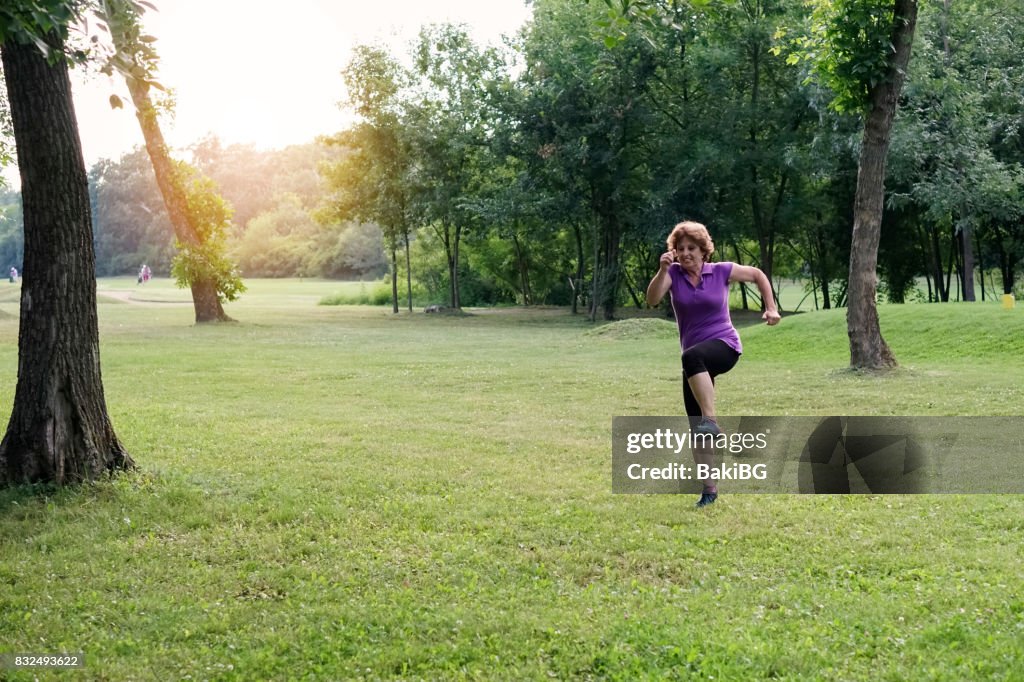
[(661, 281)]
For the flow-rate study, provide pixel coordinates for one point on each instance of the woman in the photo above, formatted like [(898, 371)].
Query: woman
[(710, 344)]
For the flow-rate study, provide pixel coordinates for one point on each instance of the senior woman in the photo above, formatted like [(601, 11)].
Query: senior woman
[(710, 344)]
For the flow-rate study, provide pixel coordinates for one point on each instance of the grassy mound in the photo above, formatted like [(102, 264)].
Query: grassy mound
[(914, 332), (636, 328)]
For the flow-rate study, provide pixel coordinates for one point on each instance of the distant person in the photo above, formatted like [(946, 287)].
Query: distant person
[(710, 344), (14, 274), (147, 274)]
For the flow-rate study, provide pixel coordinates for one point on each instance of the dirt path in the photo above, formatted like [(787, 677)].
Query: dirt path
[(124, 296), (129, 297)]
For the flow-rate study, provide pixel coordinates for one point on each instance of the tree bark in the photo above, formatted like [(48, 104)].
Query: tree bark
[(981, 265), (204, 291), (612, 265), (59, 431), (455, 271), (743, 286), (577, 284), (868, 350), (967, 253), (1007, 262), (941, 291), (408, 270), (825, 276), (524, 270), (394, 277)]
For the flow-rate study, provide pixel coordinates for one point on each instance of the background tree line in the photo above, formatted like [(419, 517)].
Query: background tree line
[(560, 171), (548, 169)]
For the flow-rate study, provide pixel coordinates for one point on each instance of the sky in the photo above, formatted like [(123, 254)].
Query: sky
[(250, 71)]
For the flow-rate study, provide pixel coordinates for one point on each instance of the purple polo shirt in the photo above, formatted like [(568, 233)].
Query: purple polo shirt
[(702, 312)]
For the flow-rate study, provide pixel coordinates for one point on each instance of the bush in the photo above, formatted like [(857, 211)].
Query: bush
[(377, 293)]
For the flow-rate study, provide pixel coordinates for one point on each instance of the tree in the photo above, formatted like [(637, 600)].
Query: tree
[(590, 124), (448, 135), (371, 182), (737, 113), (868, 350), (200, 217), (59, 430), (944, 173), (860, 49)]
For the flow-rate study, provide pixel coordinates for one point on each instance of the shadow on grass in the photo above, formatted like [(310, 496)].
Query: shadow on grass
[(19, 497), (49, 496)]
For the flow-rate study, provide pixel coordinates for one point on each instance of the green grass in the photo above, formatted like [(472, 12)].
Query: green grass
[(334, 492)]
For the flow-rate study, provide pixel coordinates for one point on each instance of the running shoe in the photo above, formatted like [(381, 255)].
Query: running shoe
[(706, 499), (708, 427)]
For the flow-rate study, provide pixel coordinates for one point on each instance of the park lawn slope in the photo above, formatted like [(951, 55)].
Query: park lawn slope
[(916, 333), (338, 493)]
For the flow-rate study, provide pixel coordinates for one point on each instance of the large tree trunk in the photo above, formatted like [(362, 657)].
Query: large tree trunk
[(611, 266), (59, 430), (867, 347), (204, 291)]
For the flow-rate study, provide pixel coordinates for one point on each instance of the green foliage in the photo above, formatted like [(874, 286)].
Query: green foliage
[(31, 21), (368, 293), (206, 259), (564, 157), (278, 242), (847, 44), (271, 233), (130, 222), (131, 52), (626, 16), (432, 275), (952, 169), (370, 181), (349, 250)]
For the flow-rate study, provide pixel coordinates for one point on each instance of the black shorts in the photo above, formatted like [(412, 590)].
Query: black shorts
[(714, 357)]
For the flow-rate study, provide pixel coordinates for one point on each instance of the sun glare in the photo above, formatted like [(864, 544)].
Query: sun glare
[(251, 73)]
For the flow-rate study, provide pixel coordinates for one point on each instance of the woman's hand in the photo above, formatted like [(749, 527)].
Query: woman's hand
[(771, 317), (661, 281)]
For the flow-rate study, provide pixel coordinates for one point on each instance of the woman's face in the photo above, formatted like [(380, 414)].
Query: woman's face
[(688, 253)]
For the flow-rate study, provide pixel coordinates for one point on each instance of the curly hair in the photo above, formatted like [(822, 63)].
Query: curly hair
[(694, 231)]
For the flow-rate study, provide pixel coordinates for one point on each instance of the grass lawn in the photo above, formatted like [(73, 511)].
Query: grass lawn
[(330, 492)]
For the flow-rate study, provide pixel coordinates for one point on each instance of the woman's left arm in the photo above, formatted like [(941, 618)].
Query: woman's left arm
[(747, 273)]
